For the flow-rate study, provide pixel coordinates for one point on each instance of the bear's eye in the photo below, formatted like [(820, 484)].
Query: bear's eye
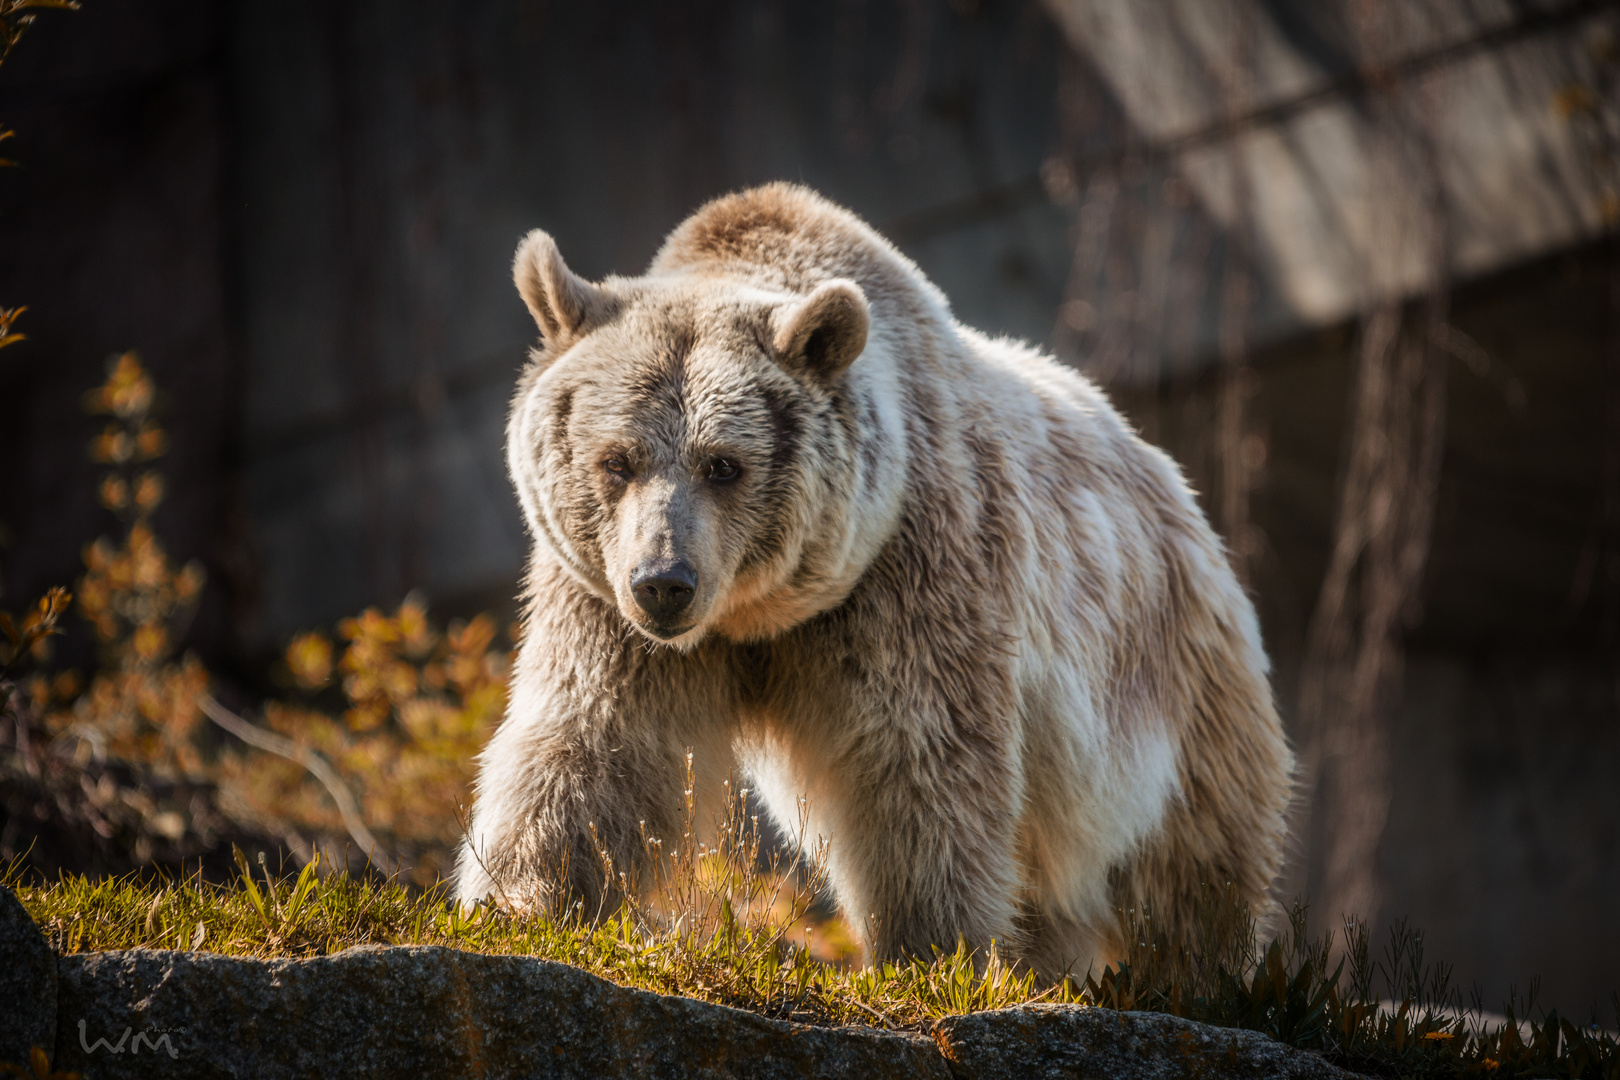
[(722, 470), (618, 467)]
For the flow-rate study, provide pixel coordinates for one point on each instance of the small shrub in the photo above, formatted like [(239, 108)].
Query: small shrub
[(418, 704), (415, 702)]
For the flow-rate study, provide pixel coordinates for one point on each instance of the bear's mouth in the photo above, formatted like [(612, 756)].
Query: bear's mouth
[(671, 633)]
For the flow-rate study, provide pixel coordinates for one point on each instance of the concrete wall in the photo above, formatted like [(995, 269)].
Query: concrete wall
[(1503, 839), (390, 155), (114, 232)]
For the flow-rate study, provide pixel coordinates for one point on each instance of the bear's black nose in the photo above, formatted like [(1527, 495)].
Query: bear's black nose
[(663, 588)]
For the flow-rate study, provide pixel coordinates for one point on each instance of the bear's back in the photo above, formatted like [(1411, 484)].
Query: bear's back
[(785, 236)]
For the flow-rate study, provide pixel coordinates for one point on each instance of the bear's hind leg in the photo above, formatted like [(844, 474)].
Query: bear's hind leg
[(1056, 945)]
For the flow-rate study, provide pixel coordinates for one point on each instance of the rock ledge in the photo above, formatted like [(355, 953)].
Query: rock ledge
[(424, 1011)]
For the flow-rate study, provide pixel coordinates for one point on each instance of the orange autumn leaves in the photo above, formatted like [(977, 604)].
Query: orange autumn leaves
[(420, 704)]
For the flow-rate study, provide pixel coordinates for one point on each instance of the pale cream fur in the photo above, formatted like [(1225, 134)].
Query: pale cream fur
[(950, 598)]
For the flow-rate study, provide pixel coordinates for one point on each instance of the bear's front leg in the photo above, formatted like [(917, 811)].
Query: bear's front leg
[(914, 762), (590, 757)]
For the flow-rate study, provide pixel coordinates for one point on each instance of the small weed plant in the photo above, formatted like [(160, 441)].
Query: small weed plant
[(1385, 1013)]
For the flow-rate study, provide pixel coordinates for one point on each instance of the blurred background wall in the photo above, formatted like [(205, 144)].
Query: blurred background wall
[(1352, 262)]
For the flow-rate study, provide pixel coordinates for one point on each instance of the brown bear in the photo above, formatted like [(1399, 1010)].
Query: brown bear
[(787, 512)]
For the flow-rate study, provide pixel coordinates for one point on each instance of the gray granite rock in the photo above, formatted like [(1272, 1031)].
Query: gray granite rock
[(418, 1011), (27, 983), (1066, 1042)]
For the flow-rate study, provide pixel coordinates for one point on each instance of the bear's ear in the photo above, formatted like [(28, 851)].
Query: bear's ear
[(824, 333), (561, 301)]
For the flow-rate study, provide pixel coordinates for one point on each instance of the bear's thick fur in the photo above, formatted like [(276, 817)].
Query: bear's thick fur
[(790, 514)]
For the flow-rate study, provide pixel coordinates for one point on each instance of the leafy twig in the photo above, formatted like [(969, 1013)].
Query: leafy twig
[(13, 22), (38, 625), (8, 336)]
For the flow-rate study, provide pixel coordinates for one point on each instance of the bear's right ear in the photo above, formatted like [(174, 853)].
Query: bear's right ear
[(561, 301)]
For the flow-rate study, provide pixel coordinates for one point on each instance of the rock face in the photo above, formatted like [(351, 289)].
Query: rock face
[(425, 1011), (27, 983), (1062, 1042)]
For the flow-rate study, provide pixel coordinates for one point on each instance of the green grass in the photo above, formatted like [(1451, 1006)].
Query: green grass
[(1298, 990), (728, 960)]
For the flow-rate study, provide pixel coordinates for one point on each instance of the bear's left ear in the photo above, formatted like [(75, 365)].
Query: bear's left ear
[(824, 333)]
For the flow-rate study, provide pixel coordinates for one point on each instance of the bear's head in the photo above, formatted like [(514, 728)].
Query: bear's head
[(690, 446)]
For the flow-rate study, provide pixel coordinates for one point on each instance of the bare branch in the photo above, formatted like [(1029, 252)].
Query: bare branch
[(318, 766)]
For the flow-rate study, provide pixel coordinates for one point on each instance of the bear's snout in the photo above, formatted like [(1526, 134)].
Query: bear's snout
[(664, 588)]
